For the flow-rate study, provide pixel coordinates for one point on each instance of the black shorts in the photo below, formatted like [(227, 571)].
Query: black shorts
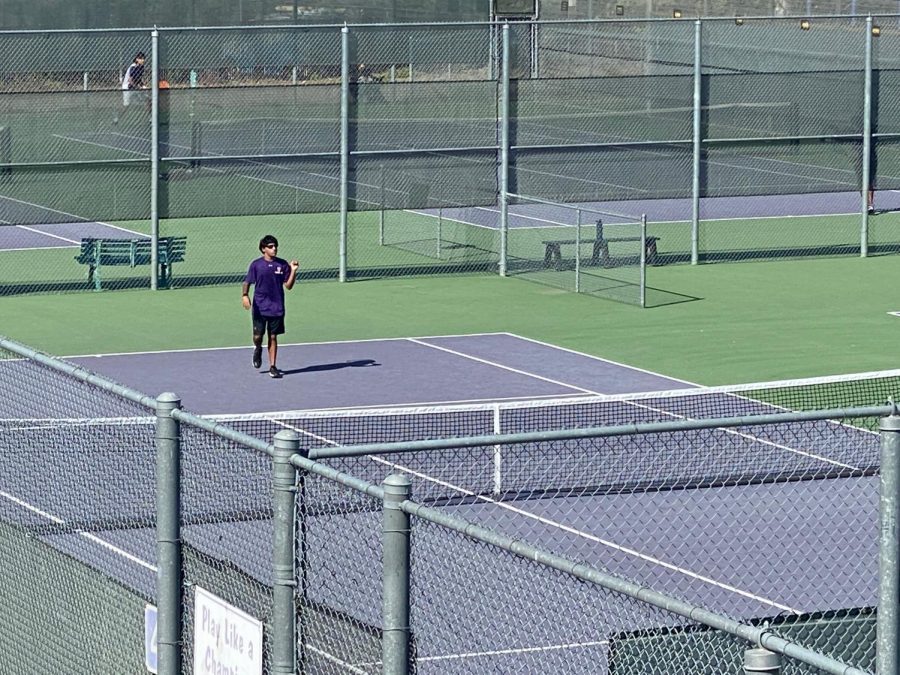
[(274, 325)]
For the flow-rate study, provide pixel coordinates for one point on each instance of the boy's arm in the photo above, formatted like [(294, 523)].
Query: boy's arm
[(245, 295), (292, 277)]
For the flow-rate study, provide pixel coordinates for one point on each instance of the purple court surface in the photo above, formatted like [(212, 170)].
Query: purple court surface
[(372, 373)]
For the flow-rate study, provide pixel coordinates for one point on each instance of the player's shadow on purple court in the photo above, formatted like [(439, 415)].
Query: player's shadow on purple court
[(359, 363)]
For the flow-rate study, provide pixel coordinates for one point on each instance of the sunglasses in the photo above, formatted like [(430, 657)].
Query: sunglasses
[(271, 246)]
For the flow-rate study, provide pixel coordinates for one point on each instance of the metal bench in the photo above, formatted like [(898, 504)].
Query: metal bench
[(600, 252), (97, 253)]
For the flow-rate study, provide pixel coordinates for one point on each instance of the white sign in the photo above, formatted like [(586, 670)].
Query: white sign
[(150, 650), (227, 641)]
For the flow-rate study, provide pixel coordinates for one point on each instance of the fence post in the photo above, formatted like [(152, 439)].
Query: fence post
[(887, 654), (168, 535), (504, 151), (697, 147), (345, 150), (396, 527), (761, 660), (866, 150), (284, 615), (154, 160)]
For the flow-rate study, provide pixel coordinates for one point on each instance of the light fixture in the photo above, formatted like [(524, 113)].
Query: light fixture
[(876, 31), (620, 10), (804, 24), (739, 21), (676, 13)]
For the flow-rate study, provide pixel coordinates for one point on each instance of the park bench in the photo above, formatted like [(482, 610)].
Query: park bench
[(600, 252), (97, 253)]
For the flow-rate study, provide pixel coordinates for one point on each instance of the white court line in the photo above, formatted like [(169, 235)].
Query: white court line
[(565, 528), (518, 371), (87, 535), (497, 652), (289, 344), (48, 234), (78, 219), (644, 406), (601, 359)]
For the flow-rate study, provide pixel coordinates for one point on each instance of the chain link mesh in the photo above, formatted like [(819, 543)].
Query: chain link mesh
[(71, 491), (774, 525), (478, 608), (339, 571), (600, 111)]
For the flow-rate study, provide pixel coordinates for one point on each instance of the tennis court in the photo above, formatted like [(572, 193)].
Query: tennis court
[(740, 563)]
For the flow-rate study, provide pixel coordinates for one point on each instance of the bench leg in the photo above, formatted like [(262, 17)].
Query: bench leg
[(604, 253), (651, 252), (553, 256)]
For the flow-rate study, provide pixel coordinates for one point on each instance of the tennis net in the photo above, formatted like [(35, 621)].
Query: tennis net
[(634, 462), (630, 463)]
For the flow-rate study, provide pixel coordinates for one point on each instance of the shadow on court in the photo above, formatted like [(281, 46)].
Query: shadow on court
[(360, 363)]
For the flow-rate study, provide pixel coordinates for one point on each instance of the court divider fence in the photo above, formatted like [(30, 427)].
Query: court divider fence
[(392, 557), (342, 134)]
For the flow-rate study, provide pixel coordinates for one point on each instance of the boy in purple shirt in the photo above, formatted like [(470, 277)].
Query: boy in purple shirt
[(270, 275)]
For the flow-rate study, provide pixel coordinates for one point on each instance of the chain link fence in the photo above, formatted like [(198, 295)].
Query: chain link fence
[(691, 542), (357, 143)]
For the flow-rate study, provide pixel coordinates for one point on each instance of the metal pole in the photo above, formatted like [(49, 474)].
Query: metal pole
[(697, 130), (761, 660), (887, 630), (440, 228), (866, 145), (284, 618), (643, 260), (85, 81), (381, 207), (504, 152), (168, 535), (345, 149), (154, 160), (578, 250), (396, 535)]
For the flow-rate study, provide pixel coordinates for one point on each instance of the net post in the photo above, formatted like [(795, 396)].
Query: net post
[(866, 150), (887, 651), (345, 150), (154, 160), (498, 451), (759, 660), (504, 152), (396, 536), (643, 243), (168, 535), (697, 149), (578, 250), (284, 616)]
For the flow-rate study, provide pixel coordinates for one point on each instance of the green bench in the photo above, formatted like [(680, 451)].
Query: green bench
[(97, 253), (600, 253)]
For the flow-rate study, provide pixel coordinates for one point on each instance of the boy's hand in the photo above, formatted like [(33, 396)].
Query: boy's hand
[(245, 301), (294, 265)]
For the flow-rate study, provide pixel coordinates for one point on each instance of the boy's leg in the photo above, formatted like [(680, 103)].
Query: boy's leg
[(273, 356), (259, 330), (273, 349)]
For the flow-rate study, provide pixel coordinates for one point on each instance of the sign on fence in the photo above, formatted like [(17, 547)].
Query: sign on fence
[(226, 640)]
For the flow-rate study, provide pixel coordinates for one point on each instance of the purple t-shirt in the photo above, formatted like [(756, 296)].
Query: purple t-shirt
[(268, 278)]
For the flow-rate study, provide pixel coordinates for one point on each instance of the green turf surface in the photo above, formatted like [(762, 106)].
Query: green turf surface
[(750, 322)]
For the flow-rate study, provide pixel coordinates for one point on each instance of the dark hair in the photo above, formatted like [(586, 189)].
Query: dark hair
[(265, 241), (139, 55)]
